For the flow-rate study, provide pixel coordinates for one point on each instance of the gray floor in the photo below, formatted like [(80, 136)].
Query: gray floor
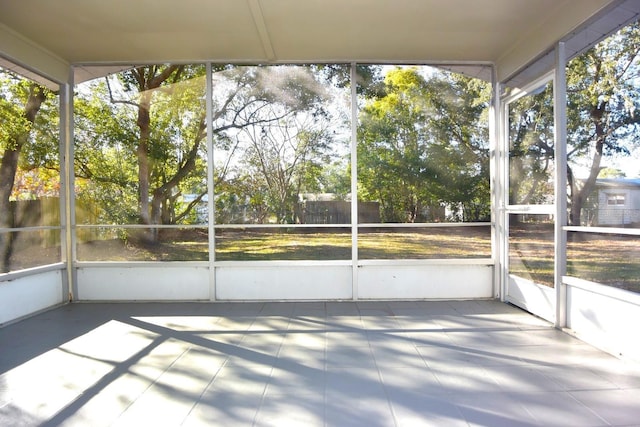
[(455, 363)]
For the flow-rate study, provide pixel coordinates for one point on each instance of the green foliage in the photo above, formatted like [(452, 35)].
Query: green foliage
[(38, 138), (151, 116), (105, 168), (603, 92), (28, 151), (611, 173), (603, 100), (273, 141), (602, 121), (531, 148), (423, 145)]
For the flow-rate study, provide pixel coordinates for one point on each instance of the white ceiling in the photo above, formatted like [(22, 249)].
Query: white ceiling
[(48, 35)]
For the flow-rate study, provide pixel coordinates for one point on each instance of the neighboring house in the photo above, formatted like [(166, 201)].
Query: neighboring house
[(615, 202)]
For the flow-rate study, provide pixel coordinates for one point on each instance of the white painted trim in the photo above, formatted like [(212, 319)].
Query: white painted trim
[(423, 224), (354, 181), (27, 295), (293, 282), (14, 275), (604, 230), (26, 53), (604, 317), (211, 205), (142, 264), (143, 283), (560, 148), (426, 281), (418, 262), (284, 263), (533, 297), (604, 290)]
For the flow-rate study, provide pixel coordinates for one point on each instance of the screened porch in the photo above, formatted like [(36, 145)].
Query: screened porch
[(455, 170)]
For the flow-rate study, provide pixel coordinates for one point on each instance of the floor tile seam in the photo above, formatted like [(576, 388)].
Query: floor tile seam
[(598, 389), (263, 396), (208, 387), (596, 412), (593, 412), (325, 365), (532, 421), (561, 384), (224, 365), (394, 416), (478, 352), (151, 384), (414, 345), (606, 377), (460, 413)]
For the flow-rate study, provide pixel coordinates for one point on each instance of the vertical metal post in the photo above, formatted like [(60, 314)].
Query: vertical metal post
[(495, 183), (210, 183), (502, 192), (560, 127), (354, 182), (67, 184)]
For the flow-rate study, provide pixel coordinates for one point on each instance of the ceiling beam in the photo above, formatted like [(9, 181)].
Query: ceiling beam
[(565, 18), (33, 57), (261, 27)]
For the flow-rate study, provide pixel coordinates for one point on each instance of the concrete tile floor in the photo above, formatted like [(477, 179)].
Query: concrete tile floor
[(456, 363)]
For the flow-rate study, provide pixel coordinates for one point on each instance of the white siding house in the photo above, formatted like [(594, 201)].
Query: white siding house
[(618, 201)]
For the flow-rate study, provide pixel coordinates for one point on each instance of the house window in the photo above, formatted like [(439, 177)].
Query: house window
[(616, 199)]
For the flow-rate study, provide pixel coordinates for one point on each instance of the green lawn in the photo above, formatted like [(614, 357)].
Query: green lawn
[(607, 259), (603, 258)]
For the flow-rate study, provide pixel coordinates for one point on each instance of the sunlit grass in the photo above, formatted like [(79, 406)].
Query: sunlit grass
[(531, 252), (245, 246), (608, 259), (434, 243)]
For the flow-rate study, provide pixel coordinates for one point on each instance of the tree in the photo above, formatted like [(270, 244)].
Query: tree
[(167, 151), (611, 173), (282, 148), (288, 155), (20, 102), (143, 132), (531, 148), (423, 144), (104, 165), (603, 97)]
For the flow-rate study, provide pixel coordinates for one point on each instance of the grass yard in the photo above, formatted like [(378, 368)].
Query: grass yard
[(384, 243), (425, 243), (531, 252), (246, 245), (609, 259), (604, 258)]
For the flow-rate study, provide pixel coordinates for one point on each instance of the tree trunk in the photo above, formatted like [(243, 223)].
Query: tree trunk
[(148, 80), (579, 195), (142, 153), (8, 168)]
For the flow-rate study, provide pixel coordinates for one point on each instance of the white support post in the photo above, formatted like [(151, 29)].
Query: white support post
[(560, 126), (210, 182), (502, 192), (67, 196), (354, 182), (495, 183)]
